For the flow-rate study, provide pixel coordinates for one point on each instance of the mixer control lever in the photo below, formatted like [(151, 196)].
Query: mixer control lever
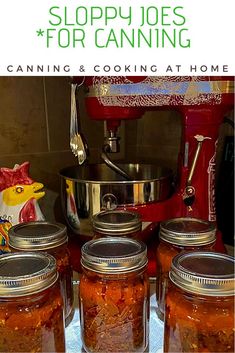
[(189, 191)]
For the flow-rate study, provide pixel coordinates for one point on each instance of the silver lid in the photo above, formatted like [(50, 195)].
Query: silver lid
[(26, 273), (114, 255), (187, 231), (205, 273), (116, 222), (37, 235)]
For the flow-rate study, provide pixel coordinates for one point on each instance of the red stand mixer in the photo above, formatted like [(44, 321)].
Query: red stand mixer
[(202, 103)]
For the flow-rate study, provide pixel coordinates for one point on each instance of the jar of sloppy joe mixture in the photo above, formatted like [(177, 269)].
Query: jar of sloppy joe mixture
[(31, 305), (51, 238), (200, 304), (114, 296), (177, 235), (118, 223)]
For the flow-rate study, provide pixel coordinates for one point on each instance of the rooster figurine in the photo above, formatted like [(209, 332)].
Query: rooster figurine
[(19, 194)]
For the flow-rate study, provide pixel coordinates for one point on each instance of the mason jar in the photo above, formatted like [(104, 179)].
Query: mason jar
[(114, 296), (31, 305), (51, 238), (117, 223), (177, 235), (200, 304)]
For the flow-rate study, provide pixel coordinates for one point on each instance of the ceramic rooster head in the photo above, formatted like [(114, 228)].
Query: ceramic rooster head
[(19, 194)]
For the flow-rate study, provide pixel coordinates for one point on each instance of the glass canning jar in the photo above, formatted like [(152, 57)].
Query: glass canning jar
[(117, 223), (31, 305), (177, 235), (200, 304), (51, 238), (114, 296)]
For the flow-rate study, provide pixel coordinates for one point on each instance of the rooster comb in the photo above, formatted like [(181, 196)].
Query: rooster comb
[(19, 175)]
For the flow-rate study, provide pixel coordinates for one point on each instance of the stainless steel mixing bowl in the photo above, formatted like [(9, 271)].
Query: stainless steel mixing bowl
[(89, 189)]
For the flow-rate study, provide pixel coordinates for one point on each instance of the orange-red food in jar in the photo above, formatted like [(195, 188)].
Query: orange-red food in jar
[(31, 305), (52, 238), (117, 223), (200, 304), (114, 296), (177, 235)]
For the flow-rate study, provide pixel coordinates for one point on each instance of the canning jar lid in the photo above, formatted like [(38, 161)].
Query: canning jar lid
[(187, 231), (116, 222), (38, 235), (114, 255), (205, 273), (26, 273)]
